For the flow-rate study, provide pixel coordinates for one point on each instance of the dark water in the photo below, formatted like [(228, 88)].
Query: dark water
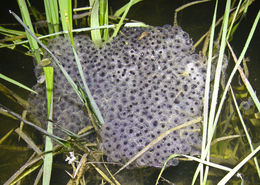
[(194, 20)]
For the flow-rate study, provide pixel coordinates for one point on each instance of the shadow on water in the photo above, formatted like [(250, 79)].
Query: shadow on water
[(194, 20)]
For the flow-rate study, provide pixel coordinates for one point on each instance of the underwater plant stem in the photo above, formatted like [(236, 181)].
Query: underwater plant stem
[(242, 54), (230, 79), (225, 179), (245, 80), (246, 131), (28, 140), (21, 170)]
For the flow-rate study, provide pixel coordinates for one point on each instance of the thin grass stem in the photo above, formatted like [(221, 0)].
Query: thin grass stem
[(245, 130), (206, 96), (218, 166), (227, 177), (26, 17), (122, 18)]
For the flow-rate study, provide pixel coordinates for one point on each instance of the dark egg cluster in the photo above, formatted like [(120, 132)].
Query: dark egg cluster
[(145, 81)]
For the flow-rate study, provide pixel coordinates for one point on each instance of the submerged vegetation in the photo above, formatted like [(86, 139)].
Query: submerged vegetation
[(230, 122)]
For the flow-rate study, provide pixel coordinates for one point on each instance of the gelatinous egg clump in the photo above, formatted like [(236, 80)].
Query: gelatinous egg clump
[(145, 81)]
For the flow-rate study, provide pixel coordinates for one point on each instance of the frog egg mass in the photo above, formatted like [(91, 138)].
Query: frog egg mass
[(145, 81)]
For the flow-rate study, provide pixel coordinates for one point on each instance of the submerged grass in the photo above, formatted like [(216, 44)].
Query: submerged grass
[(99, 25)]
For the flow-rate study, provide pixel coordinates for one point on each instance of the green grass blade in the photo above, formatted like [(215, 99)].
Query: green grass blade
[(120, 11), (217, 79), (89, 96), (231, 28), (91, 99), (48, 15), (102, 4), (65, 11), (16, 83), (104, 17), (52, 15), (128, 6), (14, 36), (48, 158), (11, 32), (94, 22), (230, 79), (27, 20)]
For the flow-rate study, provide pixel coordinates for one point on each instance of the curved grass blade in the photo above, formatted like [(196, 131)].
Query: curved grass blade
[(71, 82), (249, 38), (120, 11), (122, 18), (87, 91)]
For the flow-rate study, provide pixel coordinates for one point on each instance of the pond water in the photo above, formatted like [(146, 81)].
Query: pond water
[(195, 20)]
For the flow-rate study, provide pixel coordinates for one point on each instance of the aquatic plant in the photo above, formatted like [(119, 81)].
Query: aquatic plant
[(214, 144)]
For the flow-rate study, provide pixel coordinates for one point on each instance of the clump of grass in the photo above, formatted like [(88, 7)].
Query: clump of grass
[(98, 16), (99, 19), (211, 118)]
